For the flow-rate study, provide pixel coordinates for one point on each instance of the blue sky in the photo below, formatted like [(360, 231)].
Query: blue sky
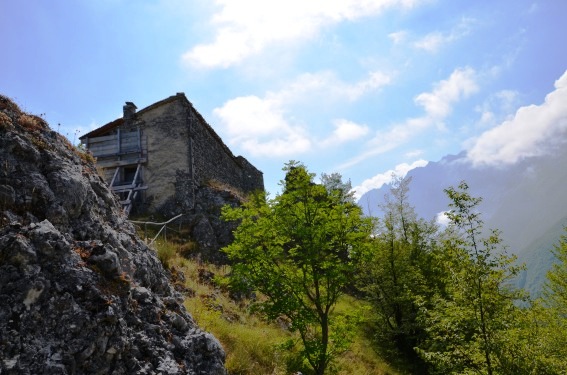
[(362, 87)]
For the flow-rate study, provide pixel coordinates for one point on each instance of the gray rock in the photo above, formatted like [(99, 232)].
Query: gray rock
[(80, 293), (7, 195)]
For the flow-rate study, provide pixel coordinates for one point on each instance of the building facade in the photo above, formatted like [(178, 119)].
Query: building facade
[(155, 158)]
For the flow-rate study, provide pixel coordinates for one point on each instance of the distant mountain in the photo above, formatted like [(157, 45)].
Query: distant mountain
[(526, 201)]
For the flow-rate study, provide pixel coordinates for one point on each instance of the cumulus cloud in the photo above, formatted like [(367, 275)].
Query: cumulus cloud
[(345, 131), (260, 125), (377, 181), (533, 130), (437, 105), (245, 27)]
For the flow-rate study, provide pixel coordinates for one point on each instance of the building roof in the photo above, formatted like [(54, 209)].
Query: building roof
[(179, 96), (114, 124)]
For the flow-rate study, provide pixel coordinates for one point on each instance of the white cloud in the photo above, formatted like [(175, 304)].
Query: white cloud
[(434, 41), (260, 125), (442, 219), (345, 131), (437, 105), (377, 181), (245, 27), (533, 130)]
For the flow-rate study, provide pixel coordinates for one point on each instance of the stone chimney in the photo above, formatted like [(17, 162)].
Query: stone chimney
[(129, 112)]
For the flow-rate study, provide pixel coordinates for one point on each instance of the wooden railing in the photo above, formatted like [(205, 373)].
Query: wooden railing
[(163, 228)]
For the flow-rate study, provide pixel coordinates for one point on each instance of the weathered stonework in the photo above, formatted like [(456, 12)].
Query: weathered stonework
[(179, 152)]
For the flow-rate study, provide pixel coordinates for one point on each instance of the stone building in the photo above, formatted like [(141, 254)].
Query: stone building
[(156, 158)]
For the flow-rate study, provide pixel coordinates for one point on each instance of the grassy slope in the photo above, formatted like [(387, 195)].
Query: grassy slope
[(251, 343)]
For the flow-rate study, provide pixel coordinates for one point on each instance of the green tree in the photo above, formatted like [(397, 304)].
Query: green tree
[(537, 342), (472, 314), (400, 274), (555, 289), (300, 251), (555, 302)]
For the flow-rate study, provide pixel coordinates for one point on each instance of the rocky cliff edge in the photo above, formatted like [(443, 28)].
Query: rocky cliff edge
[(80, 293)]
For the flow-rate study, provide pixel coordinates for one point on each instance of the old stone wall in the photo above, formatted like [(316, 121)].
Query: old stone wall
[(252, 178), (168, 166), (184, 152), (214, 161)]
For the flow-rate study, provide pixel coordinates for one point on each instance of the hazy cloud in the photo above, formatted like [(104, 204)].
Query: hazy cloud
[(326, 84), (398, 36), (495, 106), (437, 104), (533, 130), (434, 41), (246, 27)]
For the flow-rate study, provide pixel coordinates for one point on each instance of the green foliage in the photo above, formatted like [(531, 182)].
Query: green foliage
[(535, 344), (300, 250), (399, 276), (555, 290), (469, 318)]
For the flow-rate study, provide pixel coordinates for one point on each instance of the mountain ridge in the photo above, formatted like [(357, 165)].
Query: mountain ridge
[(525, 201)]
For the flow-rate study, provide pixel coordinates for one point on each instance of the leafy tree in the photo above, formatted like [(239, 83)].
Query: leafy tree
[(300, 250), (555, 290), (555, 301), (476, 308), (334, 184), (537, 342), (400, 274)]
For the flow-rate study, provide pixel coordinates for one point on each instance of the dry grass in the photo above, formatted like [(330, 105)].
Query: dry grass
[(32, 123), (222, 186), (252, 345), (8, 104), (5, 121)]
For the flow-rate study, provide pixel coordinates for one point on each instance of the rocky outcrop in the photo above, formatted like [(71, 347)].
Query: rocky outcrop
[(80, 293), (209, 232)]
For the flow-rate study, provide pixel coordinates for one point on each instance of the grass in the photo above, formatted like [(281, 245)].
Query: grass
[(253, 345), (219, 185)]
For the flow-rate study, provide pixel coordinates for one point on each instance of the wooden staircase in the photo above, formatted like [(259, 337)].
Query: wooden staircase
[(127, 191)]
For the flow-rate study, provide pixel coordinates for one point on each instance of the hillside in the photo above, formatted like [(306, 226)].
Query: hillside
[(526, 201), (80, 292)]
